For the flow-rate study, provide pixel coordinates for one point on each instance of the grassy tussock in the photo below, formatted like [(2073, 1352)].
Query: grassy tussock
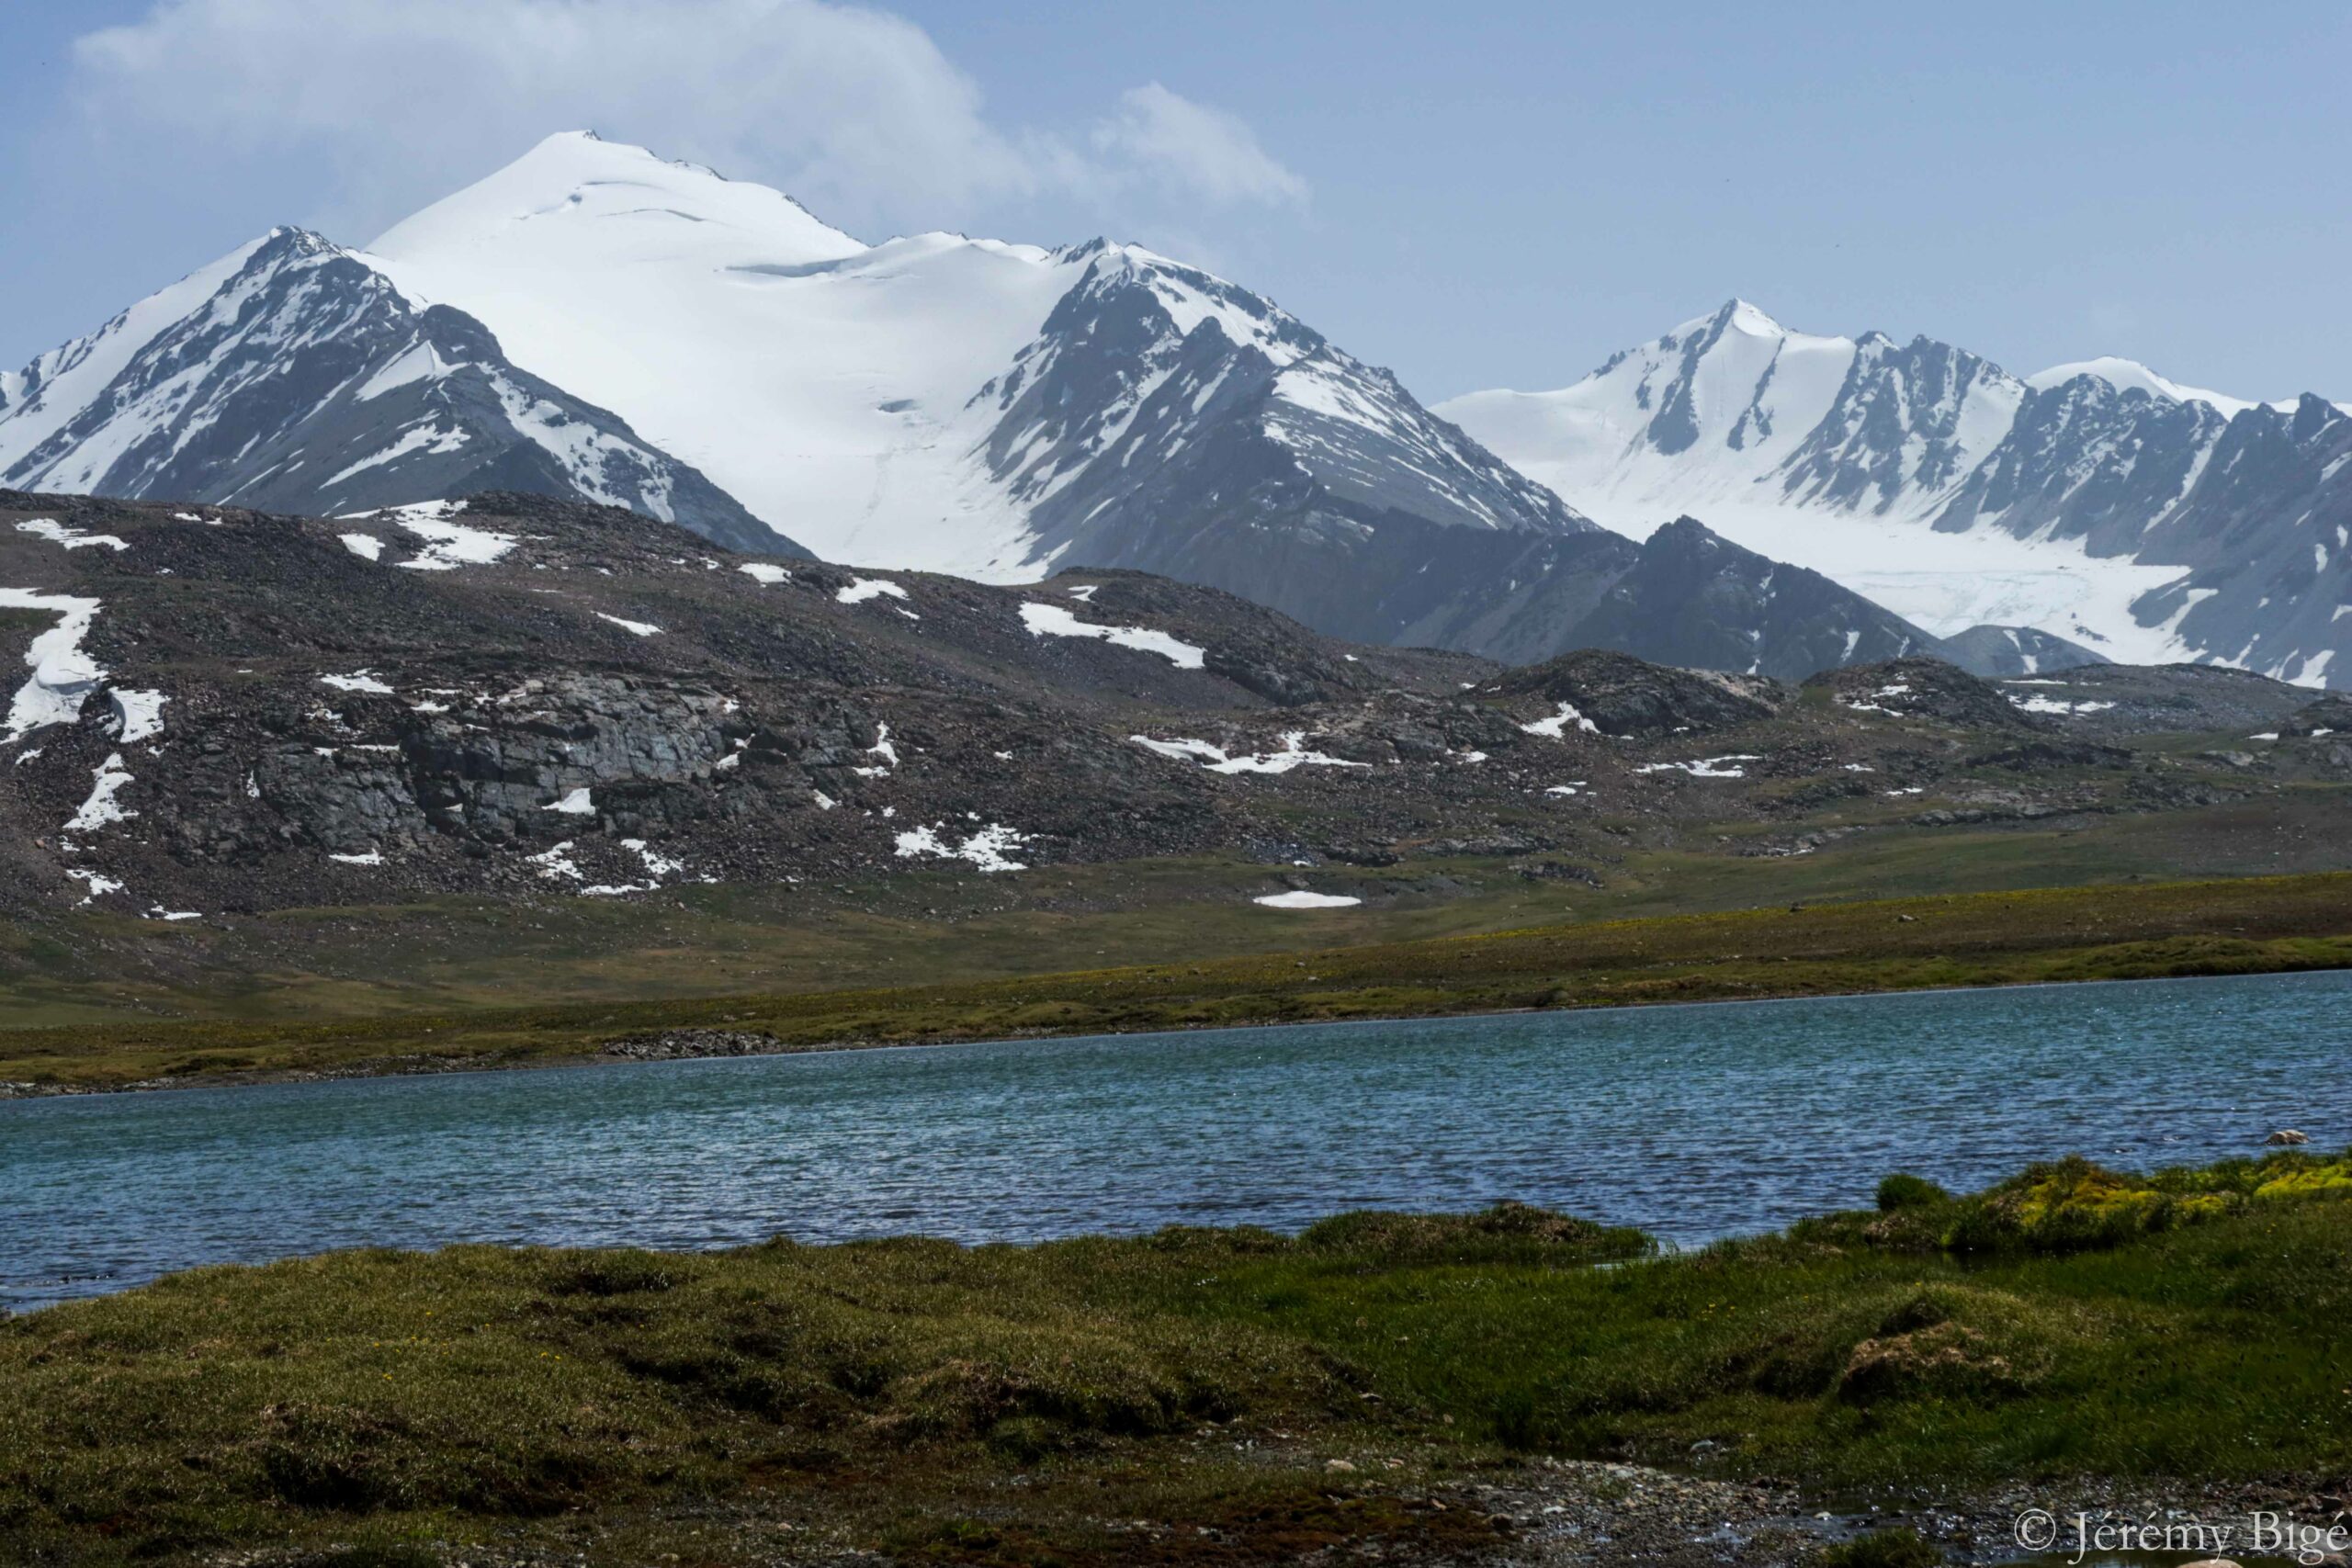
[(883, 1388)]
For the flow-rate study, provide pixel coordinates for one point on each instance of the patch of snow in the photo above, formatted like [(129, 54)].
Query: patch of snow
[(158, 912), (638, 628), (373, 857), (764, 572), (1555, 726), (861, 589), (1052, 620), (57, 533), (139, 715), (656, 862), (554, 863), (100, 808), (358, 680), (2037, 703), (986, 849), (1300, 899), (1574, 786), (419, 362), (98, 886), (422, 436), (2129, 375), (577, 803), (884, 748), (1293, 754), (63, 673), (448, 545), (365, 546), (1705, 767)]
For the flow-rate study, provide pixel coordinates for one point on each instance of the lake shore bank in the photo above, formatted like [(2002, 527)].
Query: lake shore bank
[(2139, 930)]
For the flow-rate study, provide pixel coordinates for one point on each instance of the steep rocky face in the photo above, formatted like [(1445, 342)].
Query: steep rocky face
[(2088, 461), (1694, 598), (2013, 650), (1909, 420), (294, 376), (2096, 502)]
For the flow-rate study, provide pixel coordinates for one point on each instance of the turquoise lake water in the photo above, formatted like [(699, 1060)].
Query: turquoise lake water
[(1692, 1122)]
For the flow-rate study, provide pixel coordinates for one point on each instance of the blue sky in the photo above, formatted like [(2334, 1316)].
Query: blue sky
[(1495, 194)]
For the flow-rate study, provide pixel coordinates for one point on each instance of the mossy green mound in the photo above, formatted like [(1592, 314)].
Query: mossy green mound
[(1000, 1403)]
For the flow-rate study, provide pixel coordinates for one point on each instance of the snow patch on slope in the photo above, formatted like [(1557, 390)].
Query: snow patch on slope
[(1052, 620)]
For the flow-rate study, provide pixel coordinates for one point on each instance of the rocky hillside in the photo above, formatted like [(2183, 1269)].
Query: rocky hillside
[(224, 711)]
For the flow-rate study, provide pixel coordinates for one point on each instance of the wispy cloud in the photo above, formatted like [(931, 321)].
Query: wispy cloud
[(1162, 135), (854, 110)]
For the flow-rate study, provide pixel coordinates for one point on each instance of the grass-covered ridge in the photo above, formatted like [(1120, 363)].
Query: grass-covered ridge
[(1028, 1404), (2140, 930)]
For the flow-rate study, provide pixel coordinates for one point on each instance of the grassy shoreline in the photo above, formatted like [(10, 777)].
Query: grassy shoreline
[(2138, 930), (1434, 1386)]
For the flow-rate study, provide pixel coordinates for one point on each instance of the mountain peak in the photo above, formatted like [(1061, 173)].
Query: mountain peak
[(1739, 315), (2129, 375), (574, 191)]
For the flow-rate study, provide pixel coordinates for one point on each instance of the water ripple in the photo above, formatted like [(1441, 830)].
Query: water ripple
[(1692, 1122)]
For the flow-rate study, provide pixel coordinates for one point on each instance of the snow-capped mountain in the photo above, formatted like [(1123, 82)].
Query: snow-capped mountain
[(594, 321), (990, 409), (291, 374), (933, 402), (2097, 501)]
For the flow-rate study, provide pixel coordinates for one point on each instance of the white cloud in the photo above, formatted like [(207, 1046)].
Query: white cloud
[(1209, 152), (856, 111)]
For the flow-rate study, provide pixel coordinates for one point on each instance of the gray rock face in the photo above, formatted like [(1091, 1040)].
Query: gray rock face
[(2013, 650), (1694, 598), (1895, 425), (306, 382)]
